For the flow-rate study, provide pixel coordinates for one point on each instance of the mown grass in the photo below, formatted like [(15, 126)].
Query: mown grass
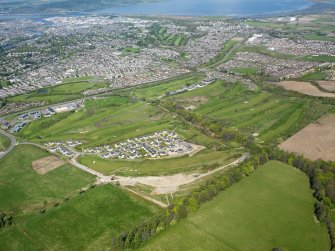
[(23, 190), (101, 122), (226, 53), (314, 76), (319, 58), (159, 35), (264, 113), (245, 71), (86, 222), (159, 166), (158, 90), (272, 208), (114, 119), (70, 89), (4, 142)]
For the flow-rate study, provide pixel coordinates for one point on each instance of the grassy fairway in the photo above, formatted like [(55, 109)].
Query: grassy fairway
[(160, 89), (4, 142), (24, 191), (85, 222), (101, 122), (259, 112), (70, 89), (272, 208)]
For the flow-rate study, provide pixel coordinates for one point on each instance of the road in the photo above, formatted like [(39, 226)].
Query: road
[(12, 143), (86, 169), (157, 202)]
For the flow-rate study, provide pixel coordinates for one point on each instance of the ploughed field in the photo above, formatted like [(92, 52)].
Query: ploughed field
[(316, 141), (309, 89), (271, 208)]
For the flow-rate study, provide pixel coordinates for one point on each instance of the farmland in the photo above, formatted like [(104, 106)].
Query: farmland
[(85, 222), (316, 141), (327, 85), (4, 142), (305, 88), (272, 208), (25, 191)]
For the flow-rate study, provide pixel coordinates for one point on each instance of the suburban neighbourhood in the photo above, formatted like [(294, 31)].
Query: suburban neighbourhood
[(185, 130)]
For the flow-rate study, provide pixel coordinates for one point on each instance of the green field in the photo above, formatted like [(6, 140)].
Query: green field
[(25, 191), (271, 208), (101, 122), (245, 71), (319, 58), (4, 142), (85, 222), (70, 89), (158, 90), (259, 112), (227, 53), (148, 167), (159, 35), (115, 118)]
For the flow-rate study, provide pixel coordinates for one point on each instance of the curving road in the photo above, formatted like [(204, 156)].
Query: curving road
[(12, 143)]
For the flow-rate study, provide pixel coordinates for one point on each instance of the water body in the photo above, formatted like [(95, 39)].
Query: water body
[(233, 8)]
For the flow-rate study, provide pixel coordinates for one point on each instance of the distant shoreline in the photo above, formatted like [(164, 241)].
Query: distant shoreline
[(318, 6)]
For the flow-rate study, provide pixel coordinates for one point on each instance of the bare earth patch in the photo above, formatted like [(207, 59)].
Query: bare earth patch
[(47, 164), (195, 102), (316, 141), (305, 88), (327, 85)]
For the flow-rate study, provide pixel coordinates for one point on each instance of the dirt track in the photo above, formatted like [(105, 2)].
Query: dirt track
[(171, 184)]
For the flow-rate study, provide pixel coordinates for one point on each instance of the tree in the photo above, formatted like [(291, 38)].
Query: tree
[(192, 204), (319, 211), (247, 169)]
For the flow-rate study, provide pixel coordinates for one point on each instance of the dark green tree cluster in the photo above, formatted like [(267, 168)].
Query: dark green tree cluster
[(5, 220)]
